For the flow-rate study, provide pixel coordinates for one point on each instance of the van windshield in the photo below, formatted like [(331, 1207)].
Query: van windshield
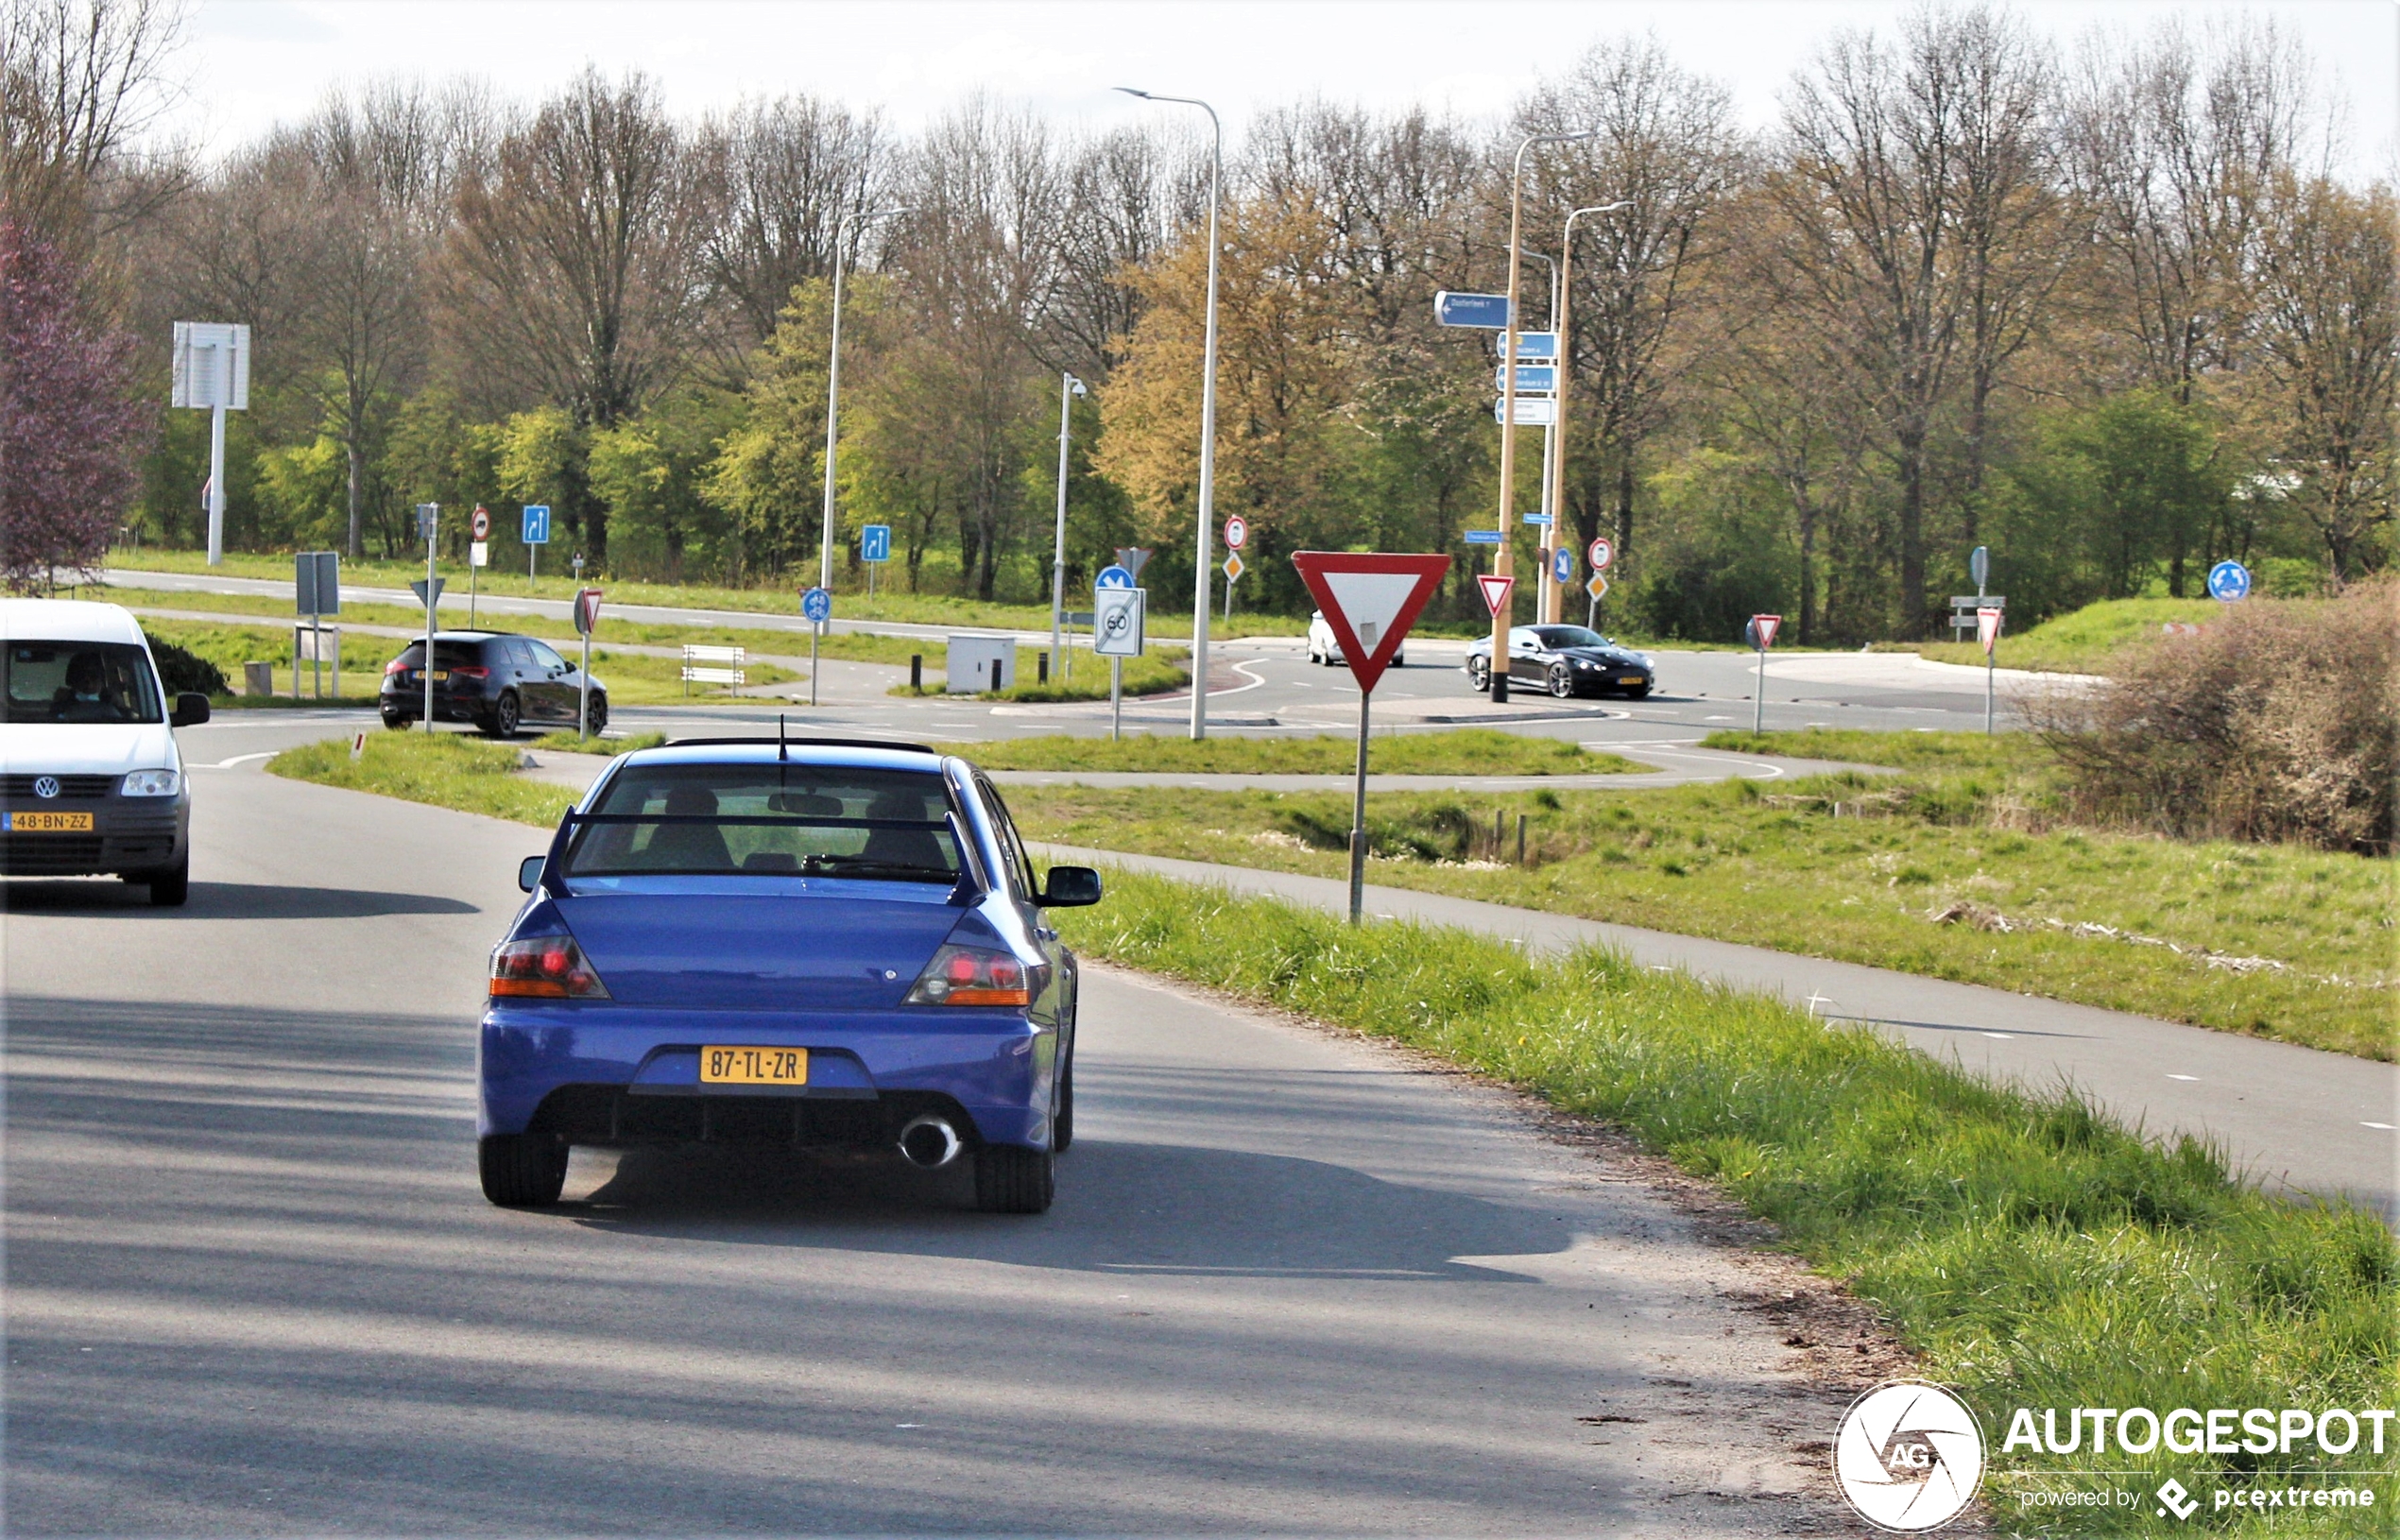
[(79, 681), (769, 820)]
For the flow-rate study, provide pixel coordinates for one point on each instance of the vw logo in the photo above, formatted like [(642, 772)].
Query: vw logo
[(45, 785)]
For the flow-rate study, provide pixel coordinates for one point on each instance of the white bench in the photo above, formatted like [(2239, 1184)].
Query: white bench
[(713, 665)]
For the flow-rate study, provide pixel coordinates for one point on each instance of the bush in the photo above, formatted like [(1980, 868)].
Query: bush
[(2279, 721), (179, 669)]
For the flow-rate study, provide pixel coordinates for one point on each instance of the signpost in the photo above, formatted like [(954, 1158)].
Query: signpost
[(536, 535), (1601, 554), (2229, 582), (1494, 588), (587, 622), (874, 548), (478, 556), (1531, 411), (1484, 537), (1370, 601), (213, 373), (1537, 347), (317, 591), (428, 523), (1118, 610), (1761, 633), (1488, 311), (816, 604), (1237, 533), (1133, 558), (1531, 379), (1987, 631), (1233, 571), (1562, 566)]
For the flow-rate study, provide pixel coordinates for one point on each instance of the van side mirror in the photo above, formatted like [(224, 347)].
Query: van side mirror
[(1070, 887), (529, 873), (191, 709)]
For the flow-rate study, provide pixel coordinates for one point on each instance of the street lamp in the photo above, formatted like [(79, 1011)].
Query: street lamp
[(1504, 564), (1548, 542), (1565, 357), (833, 406), (1208, 421), (1069, 387)]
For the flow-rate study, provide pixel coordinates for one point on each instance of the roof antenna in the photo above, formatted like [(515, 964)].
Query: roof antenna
[(781, 753)]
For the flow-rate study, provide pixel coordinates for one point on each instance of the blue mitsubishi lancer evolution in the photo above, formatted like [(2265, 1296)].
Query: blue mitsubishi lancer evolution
[(781, 945)]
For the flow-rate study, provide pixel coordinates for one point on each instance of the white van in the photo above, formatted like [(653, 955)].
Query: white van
[(90, 778)]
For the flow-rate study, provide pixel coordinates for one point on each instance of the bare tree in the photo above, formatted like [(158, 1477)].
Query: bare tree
[(1668, 151), (779, 176), (81, 80), (1120, 206), (574, 262)]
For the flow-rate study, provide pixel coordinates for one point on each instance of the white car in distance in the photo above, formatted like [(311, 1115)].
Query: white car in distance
[(1325, 649)]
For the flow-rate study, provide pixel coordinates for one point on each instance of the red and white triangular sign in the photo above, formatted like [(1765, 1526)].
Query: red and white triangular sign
[(1370, 600), (1764, 628), (1495, 591), (1987, 626)]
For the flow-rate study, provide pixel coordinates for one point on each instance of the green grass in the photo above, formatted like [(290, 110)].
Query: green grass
[(2027, 1249), (633, 679), (2006, 751), (1469, 751), (1857, 867), (568, 742), (2093, 639), (447, 769), (1167, 668)]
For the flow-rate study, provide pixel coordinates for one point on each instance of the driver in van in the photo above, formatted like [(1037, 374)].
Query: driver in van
[(84, 696)]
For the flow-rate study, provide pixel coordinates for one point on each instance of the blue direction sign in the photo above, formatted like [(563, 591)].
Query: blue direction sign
[(1113, 577), (875, 544), (2229, 581), (1537, 519), (1533, 379), (817, 605), (1536, 346), (537, 523), (1483, 537), (1489, 311), (1562, 566)]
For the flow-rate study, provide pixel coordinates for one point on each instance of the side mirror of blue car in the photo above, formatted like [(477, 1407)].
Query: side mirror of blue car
[(1070, 887), (529, 873)]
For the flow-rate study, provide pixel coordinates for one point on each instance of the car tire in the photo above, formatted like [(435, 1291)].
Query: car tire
[(523, 1171), (599, 712), (1011, 1179), (1479, 675), (393, 723), (1562, 681), (171, 887), (1062, 1122), (504, 716)]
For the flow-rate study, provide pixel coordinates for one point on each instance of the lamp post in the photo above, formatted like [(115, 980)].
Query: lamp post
[(1544, 610), (834, 401), (1207, 422), (1504, 564), (1069, 387), (1560, 313)]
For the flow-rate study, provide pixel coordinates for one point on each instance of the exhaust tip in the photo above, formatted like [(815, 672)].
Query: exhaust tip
[(929, 1143)]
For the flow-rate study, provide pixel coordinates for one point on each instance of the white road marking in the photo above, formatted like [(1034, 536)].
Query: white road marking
[(2183, 1077), (2386, 1127), (238, 759), (2003, 1036)]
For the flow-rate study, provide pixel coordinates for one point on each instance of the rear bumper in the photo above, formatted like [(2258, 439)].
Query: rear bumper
[(598, 1073), (129, 834), (410, 704)]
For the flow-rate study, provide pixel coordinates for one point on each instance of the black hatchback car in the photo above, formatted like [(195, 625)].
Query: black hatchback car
[(492, 680), (1565, 660)]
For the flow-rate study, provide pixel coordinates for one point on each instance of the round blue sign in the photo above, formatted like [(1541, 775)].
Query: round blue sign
[(817, 605), (1113, 577), (2229, 581)]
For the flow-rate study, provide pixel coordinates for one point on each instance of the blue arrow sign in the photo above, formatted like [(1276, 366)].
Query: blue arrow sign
[(2229, 581), (875, 544), (1562, 566), (1536, 346), (1113, 577), (816, 604), (537, 523), (1483, 537), (1531, 379), (1489, 311)]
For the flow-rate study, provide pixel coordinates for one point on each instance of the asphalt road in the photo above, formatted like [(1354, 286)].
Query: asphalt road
[(1293, 1283)]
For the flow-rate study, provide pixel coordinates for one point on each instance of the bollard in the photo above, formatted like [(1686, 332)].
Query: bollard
[(1520, 839), (995, 675), (258, 679), (1042, 668), (917, 673), (1499, 832)]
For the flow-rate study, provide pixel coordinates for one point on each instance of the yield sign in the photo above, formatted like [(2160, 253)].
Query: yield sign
[(1370, 600), (1987, 626), (1763, 630), (1495, 591)]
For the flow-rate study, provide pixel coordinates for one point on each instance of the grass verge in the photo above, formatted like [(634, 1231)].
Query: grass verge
[(568, 742), (447, 769), (2028, 1250), (1940, 873), (2093, 639), (1469, 751), (1148, 675)]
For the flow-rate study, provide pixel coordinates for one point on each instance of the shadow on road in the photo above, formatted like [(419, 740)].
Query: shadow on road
[(223, 900)]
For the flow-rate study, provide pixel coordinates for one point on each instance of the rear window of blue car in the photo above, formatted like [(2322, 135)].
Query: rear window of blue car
[(769, 820)]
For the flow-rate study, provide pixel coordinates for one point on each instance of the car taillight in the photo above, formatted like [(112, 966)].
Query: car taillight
[(397, 665), (544, 968), (469, 670), (972, 976)]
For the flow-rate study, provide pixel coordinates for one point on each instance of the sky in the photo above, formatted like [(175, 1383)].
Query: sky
[(254, 61)]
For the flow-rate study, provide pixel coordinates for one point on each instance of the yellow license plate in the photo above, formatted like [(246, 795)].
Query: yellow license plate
[(1630, 679), (46, 823), (754, 1066), (441, 674)]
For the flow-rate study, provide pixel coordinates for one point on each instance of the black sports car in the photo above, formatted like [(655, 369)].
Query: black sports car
[(1565, 660)]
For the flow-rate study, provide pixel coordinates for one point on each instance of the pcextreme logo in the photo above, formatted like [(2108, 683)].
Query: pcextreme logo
[(1908, 1456)]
